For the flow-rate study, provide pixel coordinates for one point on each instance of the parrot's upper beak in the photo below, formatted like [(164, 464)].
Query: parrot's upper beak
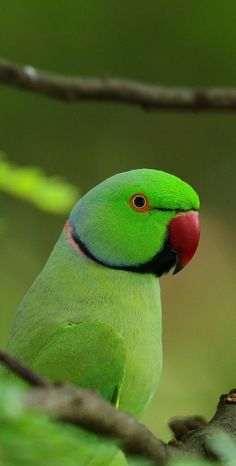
[(183, 236)]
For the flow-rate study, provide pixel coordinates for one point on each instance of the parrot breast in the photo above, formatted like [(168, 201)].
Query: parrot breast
[(72, 288)]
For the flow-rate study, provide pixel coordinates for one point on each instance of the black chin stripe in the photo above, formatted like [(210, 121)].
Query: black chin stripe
[(160, 264)]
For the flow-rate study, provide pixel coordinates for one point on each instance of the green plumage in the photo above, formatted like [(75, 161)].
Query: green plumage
[(113, 302), (75, 345), (92, 317)]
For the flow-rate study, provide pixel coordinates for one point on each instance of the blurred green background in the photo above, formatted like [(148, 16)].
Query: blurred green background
[(170, 42)]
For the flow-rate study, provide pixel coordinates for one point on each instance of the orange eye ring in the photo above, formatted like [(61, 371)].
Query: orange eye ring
[(139, 202)]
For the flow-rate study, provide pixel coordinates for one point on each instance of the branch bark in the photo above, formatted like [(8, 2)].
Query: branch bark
[(150, 97), (86, 409), (24, 372)]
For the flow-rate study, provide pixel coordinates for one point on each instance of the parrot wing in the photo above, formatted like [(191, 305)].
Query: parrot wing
[(90, 355)]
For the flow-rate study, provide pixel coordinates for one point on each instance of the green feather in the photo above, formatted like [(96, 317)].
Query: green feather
[(72, 355)]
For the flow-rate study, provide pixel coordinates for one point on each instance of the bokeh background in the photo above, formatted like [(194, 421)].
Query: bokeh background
[(174, 42)]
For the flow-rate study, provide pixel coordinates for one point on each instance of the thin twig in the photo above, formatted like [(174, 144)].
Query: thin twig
[(24, 372), (72, 89)]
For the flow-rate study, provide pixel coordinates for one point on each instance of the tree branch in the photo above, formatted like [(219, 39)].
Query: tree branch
[(224, 419), (86, 409), (181, 426), (151, 97), (24, 372)]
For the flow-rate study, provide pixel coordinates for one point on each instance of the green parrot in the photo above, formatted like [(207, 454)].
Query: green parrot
[(93, 316)]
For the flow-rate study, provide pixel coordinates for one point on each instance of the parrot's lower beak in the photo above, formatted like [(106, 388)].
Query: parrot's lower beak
[(183, 236)]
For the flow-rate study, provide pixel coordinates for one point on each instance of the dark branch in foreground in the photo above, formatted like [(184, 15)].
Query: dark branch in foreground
[(26, 374), (181, 426), (72, 89), (86, 409)]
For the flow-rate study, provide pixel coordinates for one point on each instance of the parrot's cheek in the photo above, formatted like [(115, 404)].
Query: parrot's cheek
[(183, 237)]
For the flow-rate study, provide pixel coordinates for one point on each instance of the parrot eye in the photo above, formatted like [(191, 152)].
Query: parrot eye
[(139, 202)]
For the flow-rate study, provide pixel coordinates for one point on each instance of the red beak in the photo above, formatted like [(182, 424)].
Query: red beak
[(184, 234)]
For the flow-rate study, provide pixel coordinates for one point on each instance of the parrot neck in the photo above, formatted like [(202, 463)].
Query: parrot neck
[(69, 233), (159, 264), (81, 289), (73, 287)]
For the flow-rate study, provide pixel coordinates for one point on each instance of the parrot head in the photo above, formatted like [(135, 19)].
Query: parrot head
[(143, 221)]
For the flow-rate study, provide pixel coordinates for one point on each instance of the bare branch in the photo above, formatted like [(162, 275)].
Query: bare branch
[(224, 419), (86, 409), (24, 372), (151, 97), (181, 426)]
